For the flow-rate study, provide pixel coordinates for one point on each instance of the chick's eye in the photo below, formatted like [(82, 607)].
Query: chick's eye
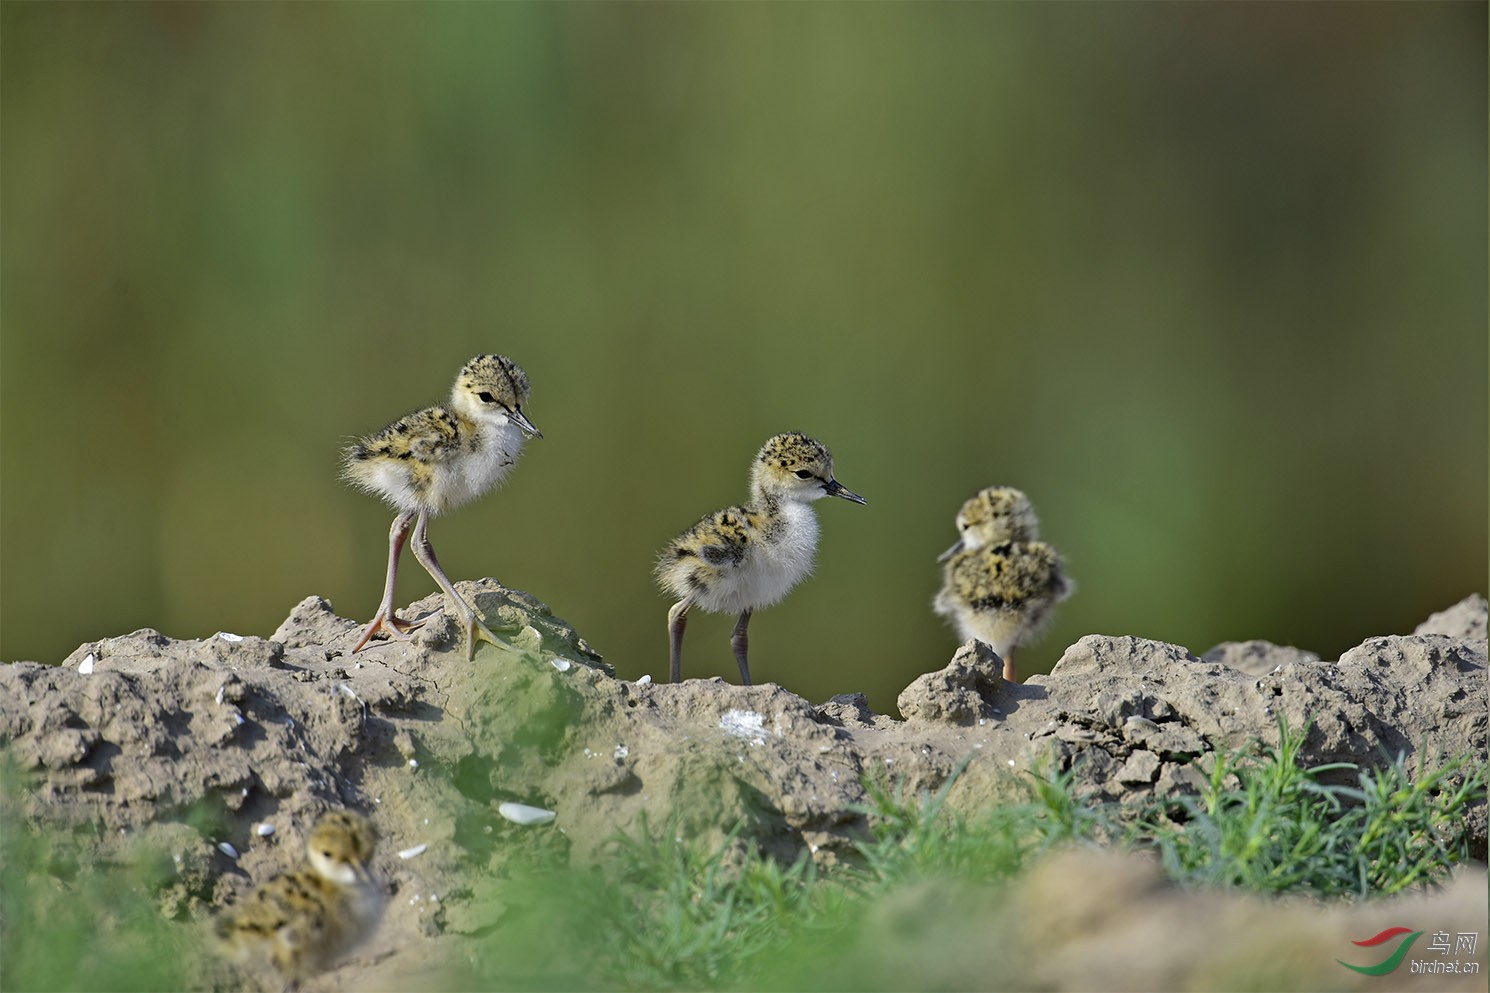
[(964, 525), (486, 397), (804, 474)]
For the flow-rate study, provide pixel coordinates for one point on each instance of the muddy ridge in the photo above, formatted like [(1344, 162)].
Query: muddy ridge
[(138, 731)]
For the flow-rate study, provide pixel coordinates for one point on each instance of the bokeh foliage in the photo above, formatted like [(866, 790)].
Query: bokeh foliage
[(1208, 281)]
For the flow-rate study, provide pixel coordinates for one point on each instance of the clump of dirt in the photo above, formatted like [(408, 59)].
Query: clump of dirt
[(193, 744)]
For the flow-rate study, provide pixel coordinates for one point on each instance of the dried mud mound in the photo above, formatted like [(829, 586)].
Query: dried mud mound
[(144, 733)]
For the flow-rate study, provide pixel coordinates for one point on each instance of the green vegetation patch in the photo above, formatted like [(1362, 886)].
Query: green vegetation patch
[(922, 903), (1268, 824)]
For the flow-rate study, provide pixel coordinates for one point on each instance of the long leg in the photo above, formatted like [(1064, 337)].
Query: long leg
[(677, 621), (740, 642), (425, 553), (1009, 672), (383, 621)]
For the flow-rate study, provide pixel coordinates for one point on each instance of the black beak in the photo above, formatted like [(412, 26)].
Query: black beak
[(950, 552), (521, 420), (834, 488)]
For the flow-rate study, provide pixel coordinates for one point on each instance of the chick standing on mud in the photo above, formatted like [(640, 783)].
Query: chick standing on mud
[(303, 921), (438, 459), (1000, 581), (742, 558)]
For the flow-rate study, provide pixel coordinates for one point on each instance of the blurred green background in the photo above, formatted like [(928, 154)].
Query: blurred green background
[(1207, 281)]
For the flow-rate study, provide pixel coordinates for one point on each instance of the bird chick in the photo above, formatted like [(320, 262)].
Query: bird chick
[(438, 459), (303, 921), (742, 558), (999, 580)]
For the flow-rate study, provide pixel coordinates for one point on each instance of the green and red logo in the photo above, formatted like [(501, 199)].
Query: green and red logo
[(1393, 960)]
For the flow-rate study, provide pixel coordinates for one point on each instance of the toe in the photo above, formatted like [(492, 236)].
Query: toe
[(390, 628), (477, 631)]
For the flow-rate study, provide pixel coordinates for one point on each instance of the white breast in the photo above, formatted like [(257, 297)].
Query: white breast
[(770, 568), (356, 920), (999, 630), (366, 903), (471, 473)]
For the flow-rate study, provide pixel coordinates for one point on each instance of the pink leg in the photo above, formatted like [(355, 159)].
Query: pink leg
[(384, 622), (677, 623), (425, 553), (740, 642)]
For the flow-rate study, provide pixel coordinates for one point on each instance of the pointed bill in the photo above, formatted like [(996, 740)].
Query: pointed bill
[(835, 488), (521, 420)]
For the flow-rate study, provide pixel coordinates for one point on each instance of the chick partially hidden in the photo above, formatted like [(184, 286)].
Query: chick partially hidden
[(302, 922), (1000, 581), (742, 558)]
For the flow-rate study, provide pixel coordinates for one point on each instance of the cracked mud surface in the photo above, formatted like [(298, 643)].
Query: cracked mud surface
[(276, 730)]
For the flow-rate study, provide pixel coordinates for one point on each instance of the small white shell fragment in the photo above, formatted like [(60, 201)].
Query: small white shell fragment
[(264, 830), (746, 724), (238, 719), (563, 665), (409, 853), (644, 680), (228, 636), (86, 666), (521, 813), (621, 752), (227, 849), (413, 763)]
